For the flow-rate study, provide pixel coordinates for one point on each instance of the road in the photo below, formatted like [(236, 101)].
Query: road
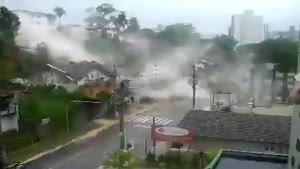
[(90, 154)]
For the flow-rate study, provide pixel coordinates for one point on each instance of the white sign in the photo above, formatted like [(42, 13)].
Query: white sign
[(172, 131)]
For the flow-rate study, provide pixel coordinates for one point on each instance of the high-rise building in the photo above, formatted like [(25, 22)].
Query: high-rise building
[(247, 28), (2, 2), (266, 31)]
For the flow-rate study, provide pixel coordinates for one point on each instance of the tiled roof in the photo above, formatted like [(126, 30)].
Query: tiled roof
[(239, 126), (81, 69)]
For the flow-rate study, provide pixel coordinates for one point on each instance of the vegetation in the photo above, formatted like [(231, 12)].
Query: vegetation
[(179, 34), (122, 160), (60, 12), (174, 160)]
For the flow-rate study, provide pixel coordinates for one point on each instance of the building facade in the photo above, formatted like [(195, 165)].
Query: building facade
[(294, 151), (247, 28), (8, 113), (215, 130)]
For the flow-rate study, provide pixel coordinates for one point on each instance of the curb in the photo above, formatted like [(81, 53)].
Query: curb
[(76, 140)]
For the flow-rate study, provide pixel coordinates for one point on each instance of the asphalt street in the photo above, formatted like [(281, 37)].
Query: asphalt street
[(91, 153)]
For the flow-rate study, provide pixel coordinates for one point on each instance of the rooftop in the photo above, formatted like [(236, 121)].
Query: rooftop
[(238, 126), (228, 159)]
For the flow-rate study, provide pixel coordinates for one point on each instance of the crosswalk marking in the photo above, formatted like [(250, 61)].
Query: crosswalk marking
[(147, 119)]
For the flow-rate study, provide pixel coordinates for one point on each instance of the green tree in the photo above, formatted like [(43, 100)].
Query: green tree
[(105, 9), (133, 25), (282, 52), (224, 46), (60, 12), (9, 27), (122, 160), (100, 17), (179, 34)]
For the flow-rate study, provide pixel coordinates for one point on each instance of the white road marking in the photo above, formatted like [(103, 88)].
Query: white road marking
[(147, 119), (164, 121), (167, 122), (142, 126), (138, 119)]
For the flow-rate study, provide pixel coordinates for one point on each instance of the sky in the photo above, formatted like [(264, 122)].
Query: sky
[(209, 17)]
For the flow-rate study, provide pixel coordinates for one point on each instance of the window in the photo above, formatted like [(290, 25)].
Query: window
[(299, 114)]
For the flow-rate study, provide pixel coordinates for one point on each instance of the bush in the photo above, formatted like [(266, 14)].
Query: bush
[(150, 160), (14, 140), (47, 102)]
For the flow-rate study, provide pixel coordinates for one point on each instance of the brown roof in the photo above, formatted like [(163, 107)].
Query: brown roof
[(239, 126)]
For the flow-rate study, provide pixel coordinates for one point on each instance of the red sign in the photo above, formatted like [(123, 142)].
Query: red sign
[(172, 134)]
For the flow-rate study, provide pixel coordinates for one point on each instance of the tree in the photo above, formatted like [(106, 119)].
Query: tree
[(122, 160), (60, 12), (133, 25), (9, 27), (105, 9), (179, 34), (224, 46)]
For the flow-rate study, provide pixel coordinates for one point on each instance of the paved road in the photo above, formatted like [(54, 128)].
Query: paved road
[(90, 154)]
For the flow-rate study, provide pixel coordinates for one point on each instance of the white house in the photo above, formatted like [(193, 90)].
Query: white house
[(73, 75), (8, 112)]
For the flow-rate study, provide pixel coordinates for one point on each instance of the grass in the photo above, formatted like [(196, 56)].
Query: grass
[(42, 146), (58, 139)]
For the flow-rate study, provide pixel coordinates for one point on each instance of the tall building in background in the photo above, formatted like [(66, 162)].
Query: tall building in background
[(247, 28), (2, 2), (267, 31)]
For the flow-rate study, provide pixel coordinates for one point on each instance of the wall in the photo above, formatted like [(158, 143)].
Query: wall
[(9, 123), (92, 76), (294, 152), (214, 145)]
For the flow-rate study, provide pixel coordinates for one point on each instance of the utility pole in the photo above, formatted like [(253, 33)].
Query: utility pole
[(193, 81), (122, 133), (152, 133)]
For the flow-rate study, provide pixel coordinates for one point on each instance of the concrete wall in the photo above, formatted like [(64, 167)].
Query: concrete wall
[(214, 145), (92, 76), (9, 123), (294, 151)]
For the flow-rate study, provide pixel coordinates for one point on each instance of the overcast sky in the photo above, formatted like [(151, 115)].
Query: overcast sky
[(209, 16)]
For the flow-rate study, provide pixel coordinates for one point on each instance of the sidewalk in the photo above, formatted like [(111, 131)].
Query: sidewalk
[(49, 146), (43, 148)]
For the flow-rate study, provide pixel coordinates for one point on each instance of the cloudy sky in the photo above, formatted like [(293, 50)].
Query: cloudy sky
[(212, 16)]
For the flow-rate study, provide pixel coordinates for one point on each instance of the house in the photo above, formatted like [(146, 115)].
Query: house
[(8, 112), (215, 130), (229, 159), (74, 75)]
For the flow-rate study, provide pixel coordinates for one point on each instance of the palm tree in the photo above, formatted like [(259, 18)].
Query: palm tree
[(121, 160), (59, 11)]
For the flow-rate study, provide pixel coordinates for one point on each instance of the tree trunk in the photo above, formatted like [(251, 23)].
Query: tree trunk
[(59, 24)]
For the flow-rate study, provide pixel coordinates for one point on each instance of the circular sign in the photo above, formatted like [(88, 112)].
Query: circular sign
[(172, 131)]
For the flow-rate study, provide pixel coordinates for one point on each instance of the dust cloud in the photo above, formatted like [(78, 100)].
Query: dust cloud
[(34, 31), (161, 74)]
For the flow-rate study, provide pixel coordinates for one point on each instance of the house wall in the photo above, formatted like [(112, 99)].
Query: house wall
[(92, 76), (9, 117), (214, 145), (9, 123), (294, 151)]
